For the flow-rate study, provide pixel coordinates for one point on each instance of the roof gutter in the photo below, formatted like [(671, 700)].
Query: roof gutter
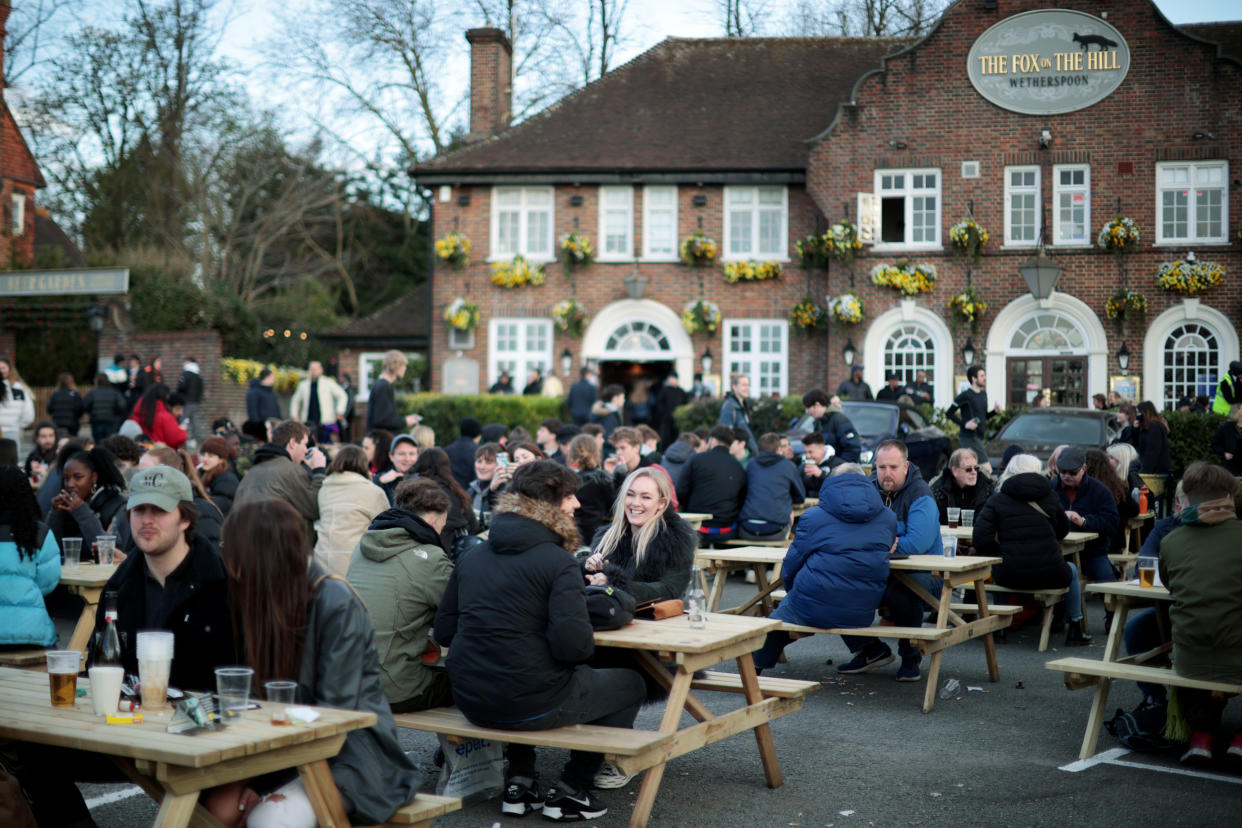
[(434, 178)]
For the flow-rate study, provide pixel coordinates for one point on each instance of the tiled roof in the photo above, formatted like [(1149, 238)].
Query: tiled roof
[(1228, 34), (719, 104), (402, 321)]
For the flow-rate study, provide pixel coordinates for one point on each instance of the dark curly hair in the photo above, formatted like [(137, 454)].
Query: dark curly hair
[(19, 510), (545, 480), (101, 462)]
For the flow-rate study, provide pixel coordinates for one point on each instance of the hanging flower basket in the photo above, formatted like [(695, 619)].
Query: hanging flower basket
[(848, 308), (967, 307), (576, 250), (516, 273), (462, 314), (698, 249), (454, 249), (1190, 277), (905, 278), (1124, 305), (839, 242), (968, 238), (814, 250), (1119, 236), (807, 315), (751, 271), (569, 316), (700, 315)]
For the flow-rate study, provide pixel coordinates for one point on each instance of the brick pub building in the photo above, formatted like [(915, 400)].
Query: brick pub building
[(1042, 122)]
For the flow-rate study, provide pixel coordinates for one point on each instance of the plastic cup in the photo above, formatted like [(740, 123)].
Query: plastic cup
[(948, 546), (72, 549), (1147, 571), (955, 516), (62, 674), (105, 545), (280, 694), (968, 517), (233, 688), (155, 655), (106, 688)]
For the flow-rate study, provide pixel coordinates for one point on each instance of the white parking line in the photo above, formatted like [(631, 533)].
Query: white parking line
[(1113, 757), (115, 796)]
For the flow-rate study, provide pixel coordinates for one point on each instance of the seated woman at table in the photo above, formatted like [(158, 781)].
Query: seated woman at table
[(515, 620), (1023, 524), (92, 499), (307, 625), (1124, 460), (836, 570), (29, 565), (1099, 467), (647, 549)]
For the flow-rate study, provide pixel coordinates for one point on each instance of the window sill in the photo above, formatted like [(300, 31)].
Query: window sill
[(778, 259), (1191, 243), (662, 259), (1023, 246), (529, 260), (908, 248), (615, 260)]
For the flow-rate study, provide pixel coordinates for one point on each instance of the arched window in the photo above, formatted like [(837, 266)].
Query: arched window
[(639, 341), (908, 349), (1191, 356), (1045, 331)]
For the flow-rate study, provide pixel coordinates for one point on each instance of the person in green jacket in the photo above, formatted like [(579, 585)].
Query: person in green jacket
[(400, 571), (1229, 390), (1201, 567)]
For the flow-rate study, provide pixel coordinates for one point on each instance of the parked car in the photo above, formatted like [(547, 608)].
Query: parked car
[(1040, 430), (929, 446)]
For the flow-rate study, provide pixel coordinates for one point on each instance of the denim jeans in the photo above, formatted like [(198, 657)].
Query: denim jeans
[(1140, 634), (1098, 568), (603, 697), (905, 609), (1073, 598)]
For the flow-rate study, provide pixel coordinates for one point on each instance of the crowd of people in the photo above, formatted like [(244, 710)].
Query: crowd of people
[(348, 567)]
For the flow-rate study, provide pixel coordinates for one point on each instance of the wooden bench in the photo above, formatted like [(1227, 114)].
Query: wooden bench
[(781, 688), (424, 809), (630, 750), (1090, 672), (1045, 598), (933, 638), (27, 659)]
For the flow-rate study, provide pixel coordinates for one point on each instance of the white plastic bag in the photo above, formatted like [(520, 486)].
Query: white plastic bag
[(473, 770)]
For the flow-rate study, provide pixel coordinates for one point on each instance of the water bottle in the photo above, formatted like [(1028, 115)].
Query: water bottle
[(696, 600), (950, 689)]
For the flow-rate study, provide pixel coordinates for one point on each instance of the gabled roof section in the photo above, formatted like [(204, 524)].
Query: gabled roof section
[(401, 322), (1226, 34), (685, 104), (19, 163)]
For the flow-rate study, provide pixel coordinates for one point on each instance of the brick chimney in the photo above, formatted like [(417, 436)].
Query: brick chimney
[(491, 82)]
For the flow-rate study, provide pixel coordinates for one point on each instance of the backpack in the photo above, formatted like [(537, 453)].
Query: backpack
[(1142, 730)]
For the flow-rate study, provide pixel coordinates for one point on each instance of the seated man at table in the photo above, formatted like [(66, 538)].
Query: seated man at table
[(1090, 507), (399, 570), (1201, 567), (515, 619), (773, 487), (904, 492), (816, 464), (836, 570), (960, 485), (714, 482)]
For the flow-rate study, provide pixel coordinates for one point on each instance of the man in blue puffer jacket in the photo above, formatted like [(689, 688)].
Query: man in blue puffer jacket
[(903, 491), (837, 567)]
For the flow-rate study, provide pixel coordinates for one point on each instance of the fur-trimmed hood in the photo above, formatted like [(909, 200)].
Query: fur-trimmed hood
[(547, 515)]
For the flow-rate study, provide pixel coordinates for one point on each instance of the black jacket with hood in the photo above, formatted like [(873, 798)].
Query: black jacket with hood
[(1027, 540), (664, 571)]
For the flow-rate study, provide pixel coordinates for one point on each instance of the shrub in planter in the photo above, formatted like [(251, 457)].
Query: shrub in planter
[(1190, 437), (442, 412)]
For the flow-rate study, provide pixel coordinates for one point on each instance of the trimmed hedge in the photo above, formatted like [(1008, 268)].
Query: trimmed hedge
[(1190, 437), (442, 412), (766, 414)]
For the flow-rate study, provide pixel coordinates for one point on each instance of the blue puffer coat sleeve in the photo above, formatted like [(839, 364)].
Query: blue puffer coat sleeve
[(837, 567), (23, 583)]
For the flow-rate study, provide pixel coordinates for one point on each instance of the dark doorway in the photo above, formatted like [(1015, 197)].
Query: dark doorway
[(641, 380), (1064, 377)]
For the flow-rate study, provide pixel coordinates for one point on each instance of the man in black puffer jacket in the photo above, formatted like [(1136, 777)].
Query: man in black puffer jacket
[(961, 485), (715, 483), (514, 616)]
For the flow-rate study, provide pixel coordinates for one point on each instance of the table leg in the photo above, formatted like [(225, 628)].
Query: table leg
[(81, 638), (763, 733), (668, 724), (1092, 735), (989, 643), (1082, 586), (176, 810), (761, 581), (324, 797), (720, 574)]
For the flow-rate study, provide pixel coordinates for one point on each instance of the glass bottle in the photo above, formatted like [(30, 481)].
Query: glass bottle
[(696, 599), (108, 644)]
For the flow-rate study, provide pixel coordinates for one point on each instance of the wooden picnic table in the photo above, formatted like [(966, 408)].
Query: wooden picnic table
[(950, 628), (688, 650), (174, 768), (695, 519), (809, 503), (87, 581)]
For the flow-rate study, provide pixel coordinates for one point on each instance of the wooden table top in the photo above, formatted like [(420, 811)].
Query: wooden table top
[(26, 714), (87, 574), (967, 532), (775, 555), (1131, 589), (676, 636), (743, 554), (695, 516)]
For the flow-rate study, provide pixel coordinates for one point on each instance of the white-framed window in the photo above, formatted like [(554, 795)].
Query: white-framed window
[(616, 223), (909, 349), (1021, 206), (19, 214), (660, 222), (516, 345), (1071, 195), (1192, 202), (1191, 359), (909, 207), (756, 222), (758, 348), (522, 223)]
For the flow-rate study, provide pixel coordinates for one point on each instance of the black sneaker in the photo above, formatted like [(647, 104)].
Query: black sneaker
[(521, 795), (564, 804), (867, 660)]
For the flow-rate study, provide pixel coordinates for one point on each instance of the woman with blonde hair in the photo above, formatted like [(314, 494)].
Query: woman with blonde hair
[(647, 549), (1124, 459)]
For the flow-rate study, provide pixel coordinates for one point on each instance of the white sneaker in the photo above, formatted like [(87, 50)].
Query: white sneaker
[(610, 777)]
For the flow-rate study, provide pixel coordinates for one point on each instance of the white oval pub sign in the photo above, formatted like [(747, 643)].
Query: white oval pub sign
[(1048, 61)]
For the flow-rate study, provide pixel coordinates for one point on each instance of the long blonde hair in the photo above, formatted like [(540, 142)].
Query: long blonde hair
[(1125, 455), (616, 530)]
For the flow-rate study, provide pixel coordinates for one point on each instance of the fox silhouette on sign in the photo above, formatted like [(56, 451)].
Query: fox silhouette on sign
[(1086, 41)]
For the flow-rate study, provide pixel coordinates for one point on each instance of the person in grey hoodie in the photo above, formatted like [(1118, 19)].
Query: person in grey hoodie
[(773, 485), (400, 570), (677, 455)]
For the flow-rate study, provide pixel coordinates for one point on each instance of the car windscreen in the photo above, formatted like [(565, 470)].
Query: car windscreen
[(1052, 429), (871, 419)]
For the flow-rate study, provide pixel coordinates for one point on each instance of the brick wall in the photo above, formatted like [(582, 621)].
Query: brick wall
[(491, 93)]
